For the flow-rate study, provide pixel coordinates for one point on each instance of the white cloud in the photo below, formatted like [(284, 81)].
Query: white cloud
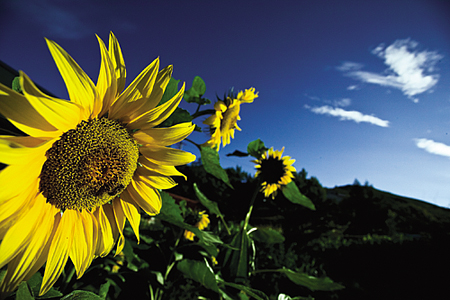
[(342, 102), (433, 147), (408, 69), (348, 115), (353, 87)]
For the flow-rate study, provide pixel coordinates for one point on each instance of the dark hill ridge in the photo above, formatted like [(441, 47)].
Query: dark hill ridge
[(377, 244)]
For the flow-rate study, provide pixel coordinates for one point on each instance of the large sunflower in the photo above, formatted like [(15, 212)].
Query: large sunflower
[(86, 166), (223, 123), (274, 170)]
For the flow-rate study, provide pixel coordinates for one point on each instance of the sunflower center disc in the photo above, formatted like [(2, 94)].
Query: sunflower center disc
[(89, 165), (272, 170)]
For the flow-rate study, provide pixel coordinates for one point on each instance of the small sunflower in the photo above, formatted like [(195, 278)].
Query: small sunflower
[(86, 166), (201, 222), (274, 170), (223, 123)]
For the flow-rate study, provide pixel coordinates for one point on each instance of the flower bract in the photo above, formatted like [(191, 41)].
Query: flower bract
[(274, 170), (85, 166), (224, 121)]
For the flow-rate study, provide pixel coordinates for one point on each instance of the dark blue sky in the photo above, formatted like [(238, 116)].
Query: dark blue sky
[(352, 89)]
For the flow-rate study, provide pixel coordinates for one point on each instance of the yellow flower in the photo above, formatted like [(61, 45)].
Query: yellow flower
[(202, 223), (86, 166), (223, 123), (274, 170)]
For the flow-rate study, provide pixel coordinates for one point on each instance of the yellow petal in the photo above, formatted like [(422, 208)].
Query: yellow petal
[(62, 114), (13, 153), (158, 114), (115, 53), (11, 209), (145, 196), (82, 251), (18, 110), (110, 214), (25, 262), (164, 136), (80, 87), (160, 169), (120, 222), (105, 240), (162, 79), (59, 249), (131, 211), (106, 83), (136, 94), (154, 179), (167, 156), (17, 177)]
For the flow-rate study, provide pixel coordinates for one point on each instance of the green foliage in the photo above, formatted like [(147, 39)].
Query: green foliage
[(212, 207), (211, 163), (195, 93), (311, 282), (200, 272), (267, 235), (292, 193), (256, 148)]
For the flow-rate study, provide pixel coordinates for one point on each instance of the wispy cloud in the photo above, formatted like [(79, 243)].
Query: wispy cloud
[(408, 70), (348, 115), (433, 147)]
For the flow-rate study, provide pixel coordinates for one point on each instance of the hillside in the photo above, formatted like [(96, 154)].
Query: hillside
[(377, 244)]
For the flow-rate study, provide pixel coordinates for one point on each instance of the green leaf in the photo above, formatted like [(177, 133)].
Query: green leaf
[(199, 85), (212, 207), (194, 94), (81, 295), (171, 212), (34, 284), (236, 262), (256, 148), (292, 193), (198, 271), (311, 282), (238, 153), (171, 90), (211, 163), (256, 294), (16, 85), (23, 293), (178, 116), (104, 289), (134, 262), (267, 235)]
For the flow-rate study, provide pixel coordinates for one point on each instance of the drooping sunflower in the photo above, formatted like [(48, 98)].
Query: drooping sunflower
[(201, 222), (223, 123), (86, 166), (274, 170)]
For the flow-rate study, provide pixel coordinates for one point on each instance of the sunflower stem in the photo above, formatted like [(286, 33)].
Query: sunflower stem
[(67, 279), (203, 112), (194, 143), (252, 202)]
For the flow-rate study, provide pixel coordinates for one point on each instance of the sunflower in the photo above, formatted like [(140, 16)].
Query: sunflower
[(201, 222), (223, 123), (86, 166), (274, 170)]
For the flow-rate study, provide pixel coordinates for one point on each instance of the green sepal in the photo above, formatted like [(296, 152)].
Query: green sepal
[(200, 272), (256, 148), (211, 163), (16, 85), (293, 194)]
